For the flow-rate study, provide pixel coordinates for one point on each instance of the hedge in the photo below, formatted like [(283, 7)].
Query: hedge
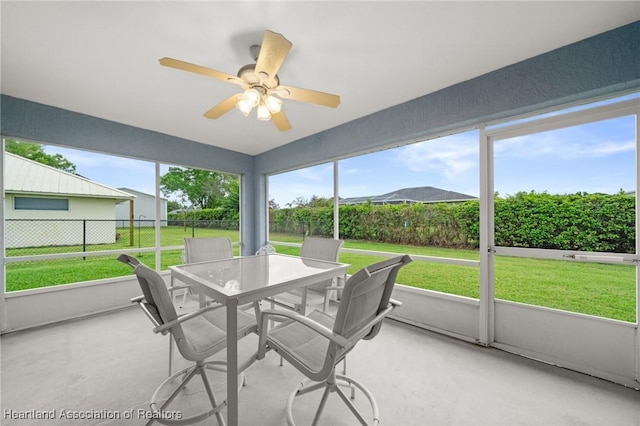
[(581, 221)]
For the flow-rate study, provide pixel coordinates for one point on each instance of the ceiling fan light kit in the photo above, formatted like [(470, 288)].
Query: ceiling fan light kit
[(260, 83), (257, 97)]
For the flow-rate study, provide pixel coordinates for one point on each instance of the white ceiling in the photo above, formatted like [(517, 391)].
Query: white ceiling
[(101, 58)]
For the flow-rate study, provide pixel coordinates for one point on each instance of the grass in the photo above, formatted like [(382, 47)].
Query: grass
[(591, 288)]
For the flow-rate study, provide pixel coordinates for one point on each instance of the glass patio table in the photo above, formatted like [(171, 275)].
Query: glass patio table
[(245, 279)]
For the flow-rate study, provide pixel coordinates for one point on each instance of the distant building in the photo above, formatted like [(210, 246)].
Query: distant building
[(144, 210), (421, 194), (45, 206)]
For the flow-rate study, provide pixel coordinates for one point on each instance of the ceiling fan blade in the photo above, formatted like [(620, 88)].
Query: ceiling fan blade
[(273, 51), (281, 121), (222, 108), (306, 95), (186, 66)]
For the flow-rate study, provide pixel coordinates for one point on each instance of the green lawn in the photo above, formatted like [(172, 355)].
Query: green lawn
[(590, 288)]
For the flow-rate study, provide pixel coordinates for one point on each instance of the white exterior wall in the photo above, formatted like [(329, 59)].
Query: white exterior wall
[(35, 228), (143, 205)]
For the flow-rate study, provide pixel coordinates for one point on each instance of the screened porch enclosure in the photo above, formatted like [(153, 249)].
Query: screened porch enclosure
[(598, 345)]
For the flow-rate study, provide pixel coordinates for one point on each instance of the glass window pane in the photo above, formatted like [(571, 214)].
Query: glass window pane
[(202, 204), (568, 189), (32, 203), (421, 195), (301, 205), (91, 221)]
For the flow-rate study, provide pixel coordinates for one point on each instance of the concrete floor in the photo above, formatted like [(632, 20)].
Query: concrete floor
[(112, 363)]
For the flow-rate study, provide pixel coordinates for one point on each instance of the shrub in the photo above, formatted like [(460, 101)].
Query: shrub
[(588, 222)]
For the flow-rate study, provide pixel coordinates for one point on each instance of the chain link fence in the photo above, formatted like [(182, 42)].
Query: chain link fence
[(302, 229), (24, 237)]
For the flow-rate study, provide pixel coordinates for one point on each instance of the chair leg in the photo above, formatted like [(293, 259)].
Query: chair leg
[(170, 353), (212, 397), (332, 384), (184, 297), (199, 368), (352, 407), (176, 390), (323, 402)]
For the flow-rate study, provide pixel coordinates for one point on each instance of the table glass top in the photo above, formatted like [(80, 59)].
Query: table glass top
[(244, 274)]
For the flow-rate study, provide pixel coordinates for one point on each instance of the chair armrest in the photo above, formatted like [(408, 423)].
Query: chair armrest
[(143, 305), (395, 303), (176, 287), (164, 328)]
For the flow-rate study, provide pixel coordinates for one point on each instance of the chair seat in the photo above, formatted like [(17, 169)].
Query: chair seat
[(302, 342), (206, 333)]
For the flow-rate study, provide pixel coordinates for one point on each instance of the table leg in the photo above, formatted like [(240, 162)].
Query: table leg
[(232, 362), (303, 302)]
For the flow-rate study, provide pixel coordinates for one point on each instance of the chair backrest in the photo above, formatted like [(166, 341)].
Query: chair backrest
[(321, 249), (157, 299), (266, 249), (365, 295), (156, 296), (206, 249)]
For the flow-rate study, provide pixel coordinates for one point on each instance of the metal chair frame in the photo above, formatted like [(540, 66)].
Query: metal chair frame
[(157, 304), (365, 303)]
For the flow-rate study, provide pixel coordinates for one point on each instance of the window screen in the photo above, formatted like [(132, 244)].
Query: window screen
[(29, 203)]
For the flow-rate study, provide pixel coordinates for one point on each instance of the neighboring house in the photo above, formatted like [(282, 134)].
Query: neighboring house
[(45, 206), (422, 194), (144, 210)]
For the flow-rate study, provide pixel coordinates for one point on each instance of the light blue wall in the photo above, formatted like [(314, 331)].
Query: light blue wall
[(603, 65), (43, 123)]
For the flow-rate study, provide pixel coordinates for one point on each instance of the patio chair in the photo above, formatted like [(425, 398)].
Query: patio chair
[(266, 249), (319, 293), (203, 250), (198, 335), (317, 343)]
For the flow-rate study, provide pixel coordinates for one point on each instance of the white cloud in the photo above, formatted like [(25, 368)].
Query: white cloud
[(450, 156), (315, 173), (570, 143)]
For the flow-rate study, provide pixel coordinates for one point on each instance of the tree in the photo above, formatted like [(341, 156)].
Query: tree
[(298, 202), (231, 201), (320, 202), (173, 205), (201, 188), (35, 152), (315, 201), (273, 205)]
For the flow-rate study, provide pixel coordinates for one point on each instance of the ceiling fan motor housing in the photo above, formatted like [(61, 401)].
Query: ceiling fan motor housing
[(249, 75)]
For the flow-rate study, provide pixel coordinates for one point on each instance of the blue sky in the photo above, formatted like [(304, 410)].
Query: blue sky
[(598, 157)]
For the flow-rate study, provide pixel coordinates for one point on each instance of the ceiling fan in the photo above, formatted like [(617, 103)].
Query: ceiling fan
[(262, 89)]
